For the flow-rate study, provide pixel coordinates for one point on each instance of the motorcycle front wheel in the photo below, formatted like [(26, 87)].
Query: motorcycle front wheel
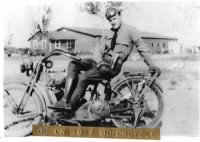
[(19, 123), (152, 108)]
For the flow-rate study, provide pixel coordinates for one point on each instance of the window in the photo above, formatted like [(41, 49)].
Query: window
[(56, 44), (43, 44), (34, 44), (39, 44), (158, 44), (70, 44), (163, 44), (152, 44)]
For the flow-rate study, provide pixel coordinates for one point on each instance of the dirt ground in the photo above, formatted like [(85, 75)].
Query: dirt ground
[(179, 80)]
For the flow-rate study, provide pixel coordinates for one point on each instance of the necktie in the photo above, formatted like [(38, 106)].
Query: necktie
[(113, 41)]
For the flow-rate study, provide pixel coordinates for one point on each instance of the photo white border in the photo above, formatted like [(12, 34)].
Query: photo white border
[(7, 4)]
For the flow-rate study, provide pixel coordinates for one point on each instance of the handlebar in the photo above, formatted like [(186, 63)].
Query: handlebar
[(62, 52)]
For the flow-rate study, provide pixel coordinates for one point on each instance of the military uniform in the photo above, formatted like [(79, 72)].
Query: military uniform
[(127, 38), (118, 43)]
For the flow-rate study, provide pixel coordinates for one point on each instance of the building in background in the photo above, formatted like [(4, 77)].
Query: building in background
[(160, 44), (85, 39)]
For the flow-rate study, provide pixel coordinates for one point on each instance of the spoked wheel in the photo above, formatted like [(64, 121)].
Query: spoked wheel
[(19, 122), (148, 110)]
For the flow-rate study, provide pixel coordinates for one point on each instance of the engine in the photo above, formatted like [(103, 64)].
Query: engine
[(98, 110), (93, 110)]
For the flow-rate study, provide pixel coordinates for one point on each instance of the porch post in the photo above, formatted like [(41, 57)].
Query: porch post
[(50, 46), (55, 45), (75, 46), (66, 45), (59, 45)]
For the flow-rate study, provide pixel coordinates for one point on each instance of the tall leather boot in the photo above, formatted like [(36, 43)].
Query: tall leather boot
[(64, 103), (70, 86)]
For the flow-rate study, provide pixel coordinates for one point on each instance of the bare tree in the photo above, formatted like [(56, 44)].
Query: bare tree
[(8, 39), (99, 8), (46, 19), (42, 23)]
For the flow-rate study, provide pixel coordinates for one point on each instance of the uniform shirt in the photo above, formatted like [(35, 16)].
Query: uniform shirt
[(127, 37)]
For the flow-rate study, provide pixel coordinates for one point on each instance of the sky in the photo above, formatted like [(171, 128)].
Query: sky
[(179, 19)]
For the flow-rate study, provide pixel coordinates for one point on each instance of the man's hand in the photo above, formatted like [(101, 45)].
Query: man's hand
[(155, 69), (114, 59)]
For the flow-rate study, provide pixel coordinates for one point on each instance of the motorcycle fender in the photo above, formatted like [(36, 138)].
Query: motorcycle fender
[(155, 82), (42, 95), (49, 98), (158, 86), (118, 82)]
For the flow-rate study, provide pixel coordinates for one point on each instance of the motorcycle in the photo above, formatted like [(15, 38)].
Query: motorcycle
[(135, 101)]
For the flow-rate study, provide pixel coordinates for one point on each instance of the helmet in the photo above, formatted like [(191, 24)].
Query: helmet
[(111, 11)]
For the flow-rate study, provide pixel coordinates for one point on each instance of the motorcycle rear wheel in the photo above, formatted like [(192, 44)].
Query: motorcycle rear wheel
[(20, 124), (155, 121)]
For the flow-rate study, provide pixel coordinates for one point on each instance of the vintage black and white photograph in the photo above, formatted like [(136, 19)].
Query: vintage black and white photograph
[(120, 64)]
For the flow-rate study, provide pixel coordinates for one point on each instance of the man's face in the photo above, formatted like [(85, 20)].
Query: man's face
[(115, 21)]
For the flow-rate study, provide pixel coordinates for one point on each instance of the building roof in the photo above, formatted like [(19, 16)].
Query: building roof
[(93, 32), (86, 31), (38, 32), (56, 35), (149, 35)]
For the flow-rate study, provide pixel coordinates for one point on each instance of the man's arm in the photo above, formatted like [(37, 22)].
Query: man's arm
[(145, 53), (142, 48)]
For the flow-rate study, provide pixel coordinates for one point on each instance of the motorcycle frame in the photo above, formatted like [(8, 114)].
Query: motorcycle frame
[(46, 98), (34, 79)]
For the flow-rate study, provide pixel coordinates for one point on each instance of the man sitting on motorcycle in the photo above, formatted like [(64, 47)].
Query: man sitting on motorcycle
[(118, 46)]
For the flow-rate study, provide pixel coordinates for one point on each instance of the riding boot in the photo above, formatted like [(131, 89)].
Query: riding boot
[(64, 103), (70, 86)]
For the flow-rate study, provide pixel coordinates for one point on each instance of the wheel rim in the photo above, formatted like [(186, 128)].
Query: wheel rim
[(152, 106), (20, 124)]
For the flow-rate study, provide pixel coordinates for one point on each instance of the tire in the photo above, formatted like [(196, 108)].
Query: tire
[(33, 107), (160, 105)]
